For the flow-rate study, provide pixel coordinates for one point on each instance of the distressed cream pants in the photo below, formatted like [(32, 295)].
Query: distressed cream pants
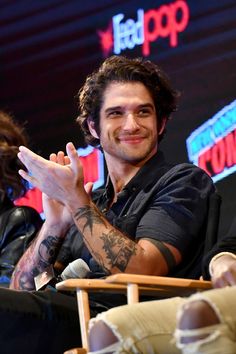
[(150, 327)]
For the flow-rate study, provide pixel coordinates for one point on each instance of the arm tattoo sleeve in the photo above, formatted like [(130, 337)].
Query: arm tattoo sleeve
[(118, 249), (48, 251), (91, 215), (30, 266)]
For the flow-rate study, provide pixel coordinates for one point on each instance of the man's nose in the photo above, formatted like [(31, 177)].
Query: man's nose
[(130, 122)]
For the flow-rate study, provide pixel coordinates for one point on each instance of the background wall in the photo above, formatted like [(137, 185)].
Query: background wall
[(47, 48)]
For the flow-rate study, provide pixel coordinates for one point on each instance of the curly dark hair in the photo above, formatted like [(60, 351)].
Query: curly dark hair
[(122, 69), (11, 137)]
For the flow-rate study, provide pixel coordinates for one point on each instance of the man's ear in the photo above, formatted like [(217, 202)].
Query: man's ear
[(162, 127), (91, 126)]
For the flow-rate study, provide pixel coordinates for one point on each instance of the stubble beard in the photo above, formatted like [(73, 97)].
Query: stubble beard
[(134, 154)]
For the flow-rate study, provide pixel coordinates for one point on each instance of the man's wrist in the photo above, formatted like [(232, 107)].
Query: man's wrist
[(77, 202), (58, 228), (217, 256)]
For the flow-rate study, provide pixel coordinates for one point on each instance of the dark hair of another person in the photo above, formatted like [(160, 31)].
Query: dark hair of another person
[(11, 137), (122, 69)]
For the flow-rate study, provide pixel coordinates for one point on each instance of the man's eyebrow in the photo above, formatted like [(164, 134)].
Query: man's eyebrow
[(143, 105), (110, 109), (146, 105)]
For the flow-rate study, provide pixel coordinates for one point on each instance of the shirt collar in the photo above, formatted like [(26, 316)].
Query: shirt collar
[(145, 175)]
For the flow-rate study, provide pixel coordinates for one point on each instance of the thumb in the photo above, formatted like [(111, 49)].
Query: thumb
[(73, 156)]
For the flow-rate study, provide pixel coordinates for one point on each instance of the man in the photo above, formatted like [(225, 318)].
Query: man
[(150, 219), (203, 323)]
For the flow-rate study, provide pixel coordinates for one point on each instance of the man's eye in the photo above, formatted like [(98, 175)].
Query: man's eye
[(115, 114), (144, 112)]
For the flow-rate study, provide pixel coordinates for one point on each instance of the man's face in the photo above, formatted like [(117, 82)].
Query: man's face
[(128, 124)]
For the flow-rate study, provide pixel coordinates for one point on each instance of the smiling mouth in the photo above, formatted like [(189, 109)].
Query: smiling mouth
[(131, 139)]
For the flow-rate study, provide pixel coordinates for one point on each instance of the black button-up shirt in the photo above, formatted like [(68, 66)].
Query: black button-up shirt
[(162, 202)]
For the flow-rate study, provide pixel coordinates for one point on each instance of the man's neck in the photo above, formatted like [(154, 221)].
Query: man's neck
[(121, 173), (121, 176)]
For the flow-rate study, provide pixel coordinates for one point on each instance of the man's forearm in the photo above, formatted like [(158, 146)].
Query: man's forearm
[(110, 248), (41, 253)]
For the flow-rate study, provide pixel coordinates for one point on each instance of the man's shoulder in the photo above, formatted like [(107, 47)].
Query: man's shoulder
[(158, 168), (183, 176), (186, 169)]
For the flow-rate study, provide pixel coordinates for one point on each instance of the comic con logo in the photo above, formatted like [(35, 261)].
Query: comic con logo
[(212, 146), (166, 21)]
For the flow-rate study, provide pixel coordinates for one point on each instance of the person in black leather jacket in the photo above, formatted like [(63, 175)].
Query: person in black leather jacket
[(18, 224)]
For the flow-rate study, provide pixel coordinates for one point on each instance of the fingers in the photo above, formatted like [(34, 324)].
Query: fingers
[(41, 172), (27, 157), (28, 177), (67, 160), (33, 163), (53, 157), (88, 187), (60, 158)]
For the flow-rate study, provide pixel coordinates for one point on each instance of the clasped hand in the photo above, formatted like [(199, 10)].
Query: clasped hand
[(60, 178)]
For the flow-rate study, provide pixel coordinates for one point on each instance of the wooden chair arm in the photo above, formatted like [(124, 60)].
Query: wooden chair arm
[(89, 284), (157, 282), (157, 285)]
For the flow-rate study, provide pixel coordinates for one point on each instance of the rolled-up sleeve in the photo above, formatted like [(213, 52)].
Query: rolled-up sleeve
[(178, 208)]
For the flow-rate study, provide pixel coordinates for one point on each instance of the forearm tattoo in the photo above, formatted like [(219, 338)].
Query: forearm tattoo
[(24, 281), (118, 249), (91, 215), (48, 251)]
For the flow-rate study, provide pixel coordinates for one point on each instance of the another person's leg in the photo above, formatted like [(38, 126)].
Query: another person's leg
[(146, 327), (207, 323), (38, 322)]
